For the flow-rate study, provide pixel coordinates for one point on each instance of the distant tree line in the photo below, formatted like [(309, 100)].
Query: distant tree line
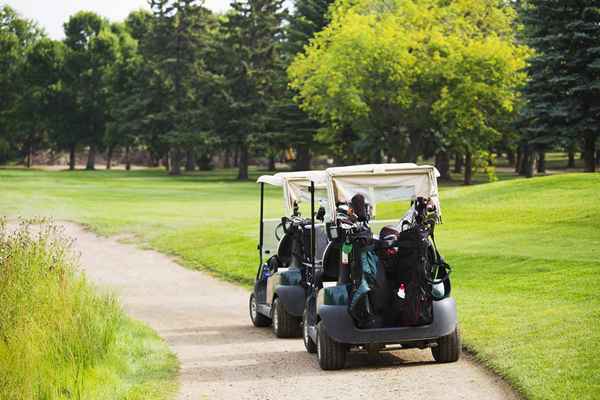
[(356, 80)]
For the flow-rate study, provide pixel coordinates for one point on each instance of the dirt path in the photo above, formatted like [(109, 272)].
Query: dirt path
[(223, 356)]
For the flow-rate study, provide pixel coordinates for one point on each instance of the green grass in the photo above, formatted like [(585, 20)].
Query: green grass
[(525, 253), (62, 339)]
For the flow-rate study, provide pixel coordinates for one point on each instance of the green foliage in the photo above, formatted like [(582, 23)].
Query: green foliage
[(296, 127), (563, 93), (396, 71), (251, 36), (175, 46), (485, 162), (17, 36), (91, 51), (59, 337)]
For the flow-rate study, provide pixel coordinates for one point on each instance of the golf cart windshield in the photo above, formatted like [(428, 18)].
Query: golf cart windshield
[(296, 194), (380, 183)]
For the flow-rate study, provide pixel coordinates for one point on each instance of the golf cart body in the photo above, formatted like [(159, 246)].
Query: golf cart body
[(284, 252), (380, 283)]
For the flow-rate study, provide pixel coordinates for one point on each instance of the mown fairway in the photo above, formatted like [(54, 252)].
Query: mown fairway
[(525, 253)]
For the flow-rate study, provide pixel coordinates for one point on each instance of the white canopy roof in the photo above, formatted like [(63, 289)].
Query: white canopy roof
[(296, 185), (382, 182)]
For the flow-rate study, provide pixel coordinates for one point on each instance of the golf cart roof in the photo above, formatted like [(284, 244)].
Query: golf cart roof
[(382, 182), (296, 185), (319, 177)]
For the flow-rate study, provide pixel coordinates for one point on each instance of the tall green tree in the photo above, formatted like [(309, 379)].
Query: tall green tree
[(254, 30), (91, 52), (147, 97), (399, 72), (17, 35), (308, 18), (563, 94), (124, 124), (40, 79), (175, 48)]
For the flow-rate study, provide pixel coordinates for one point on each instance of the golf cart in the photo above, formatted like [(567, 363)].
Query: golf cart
[(381, 285), (285, 251)]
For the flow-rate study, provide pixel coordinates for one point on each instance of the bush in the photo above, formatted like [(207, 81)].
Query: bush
[(58, 336)]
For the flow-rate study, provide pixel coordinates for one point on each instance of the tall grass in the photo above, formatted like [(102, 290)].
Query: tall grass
[(59, 338)]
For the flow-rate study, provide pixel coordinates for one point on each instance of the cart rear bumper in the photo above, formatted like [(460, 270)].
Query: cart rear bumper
[(341, 328)]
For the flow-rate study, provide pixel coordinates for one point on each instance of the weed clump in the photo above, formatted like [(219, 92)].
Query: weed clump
[(54, 326)]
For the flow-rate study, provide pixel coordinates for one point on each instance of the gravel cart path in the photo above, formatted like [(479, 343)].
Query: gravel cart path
[(205, 321)]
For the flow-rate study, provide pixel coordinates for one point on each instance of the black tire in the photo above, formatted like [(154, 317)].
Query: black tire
[(331, 354), (310, 345), (257, 318), (284, 324), (448, 348)]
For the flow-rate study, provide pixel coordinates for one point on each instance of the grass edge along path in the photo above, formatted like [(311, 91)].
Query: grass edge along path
[(62, 338)]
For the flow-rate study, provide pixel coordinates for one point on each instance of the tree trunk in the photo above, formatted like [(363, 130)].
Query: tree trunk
[(175, 164), (541, 164), (109, 155), (91, 161), (72, 157), (127, 158), (236, 157), (527, 162), (29, 155), (243, 162), (204, 162), (519, 159), (589, 152), (571, 162), (190, 162), (598, 157), (442, 163), (458, 163), (303, 158), (414, 147), (510, 157), (271, 166), (227, 158), (524, 161), (468, 168)]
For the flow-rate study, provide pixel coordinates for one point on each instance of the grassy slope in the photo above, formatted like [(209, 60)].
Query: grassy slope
[(525, 254)]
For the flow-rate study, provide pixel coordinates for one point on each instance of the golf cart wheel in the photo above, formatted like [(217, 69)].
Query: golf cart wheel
[(448, 348), (257, 318), (331, 354), (284, 324), (310, 345)]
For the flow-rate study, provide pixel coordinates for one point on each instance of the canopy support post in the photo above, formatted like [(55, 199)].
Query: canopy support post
[(261, 225), (312, 231)]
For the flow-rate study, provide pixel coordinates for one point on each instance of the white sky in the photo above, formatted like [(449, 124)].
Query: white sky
[(51, 14)]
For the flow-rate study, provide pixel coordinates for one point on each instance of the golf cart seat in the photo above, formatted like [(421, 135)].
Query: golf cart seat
[(330, 271), (285, 250)]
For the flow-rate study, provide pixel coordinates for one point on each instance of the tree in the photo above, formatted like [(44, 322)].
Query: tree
[(17, 35), (39, 78), (401, 72), (563, 94), (308, 18), (175, 49), (254, 29), (125, 122), (91, 51)]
